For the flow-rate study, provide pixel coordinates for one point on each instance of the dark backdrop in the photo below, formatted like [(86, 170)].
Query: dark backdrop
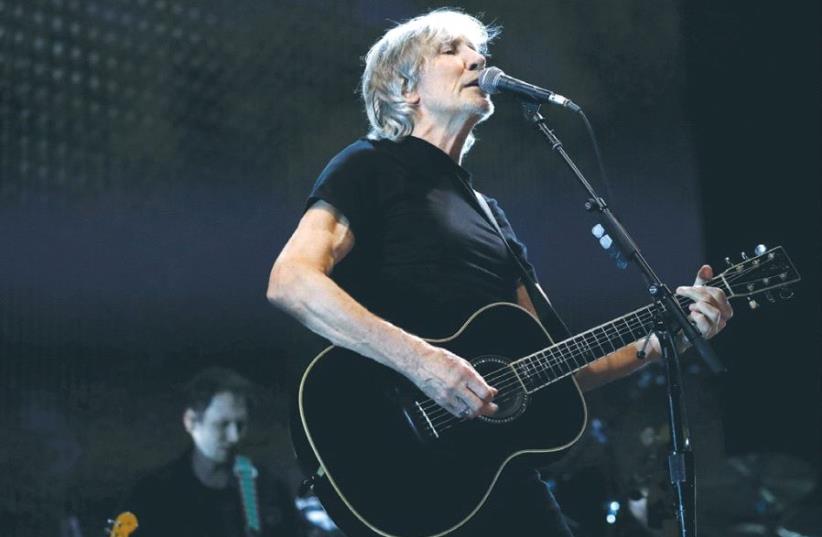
[(155, 155)]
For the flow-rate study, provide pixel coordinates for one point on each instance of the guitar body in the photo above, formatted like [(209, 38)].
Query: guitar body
[(386, 460), (402, 468)]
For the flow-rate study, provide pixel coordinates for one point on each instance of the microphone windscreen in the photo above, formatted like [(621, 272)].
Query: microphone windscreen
[(488, 80)]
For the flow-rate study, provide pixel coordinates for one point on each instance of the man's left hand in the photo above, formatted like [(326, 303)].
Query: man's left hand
[(710, 309)]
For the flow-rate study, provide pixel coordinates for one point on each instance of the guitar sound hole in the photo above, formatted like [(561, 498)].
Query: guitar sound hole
[(511, 399)]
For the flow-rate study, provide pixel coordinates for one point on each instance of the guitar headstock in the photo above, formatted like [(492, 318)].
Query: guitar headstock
[(769, 270), (124, 525)]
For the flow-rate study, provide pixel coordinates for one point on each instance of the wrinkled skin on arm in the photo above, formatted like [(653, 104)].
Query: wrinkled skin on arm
[(301, 285)]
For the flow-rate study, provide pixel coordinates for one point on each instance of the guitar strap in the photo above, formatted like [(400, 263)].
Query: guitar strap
[(545, 310)]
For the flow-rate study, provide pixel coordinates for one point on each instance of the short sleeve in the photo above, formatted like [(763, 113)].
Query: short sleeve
[(348, 184), (516, 245)]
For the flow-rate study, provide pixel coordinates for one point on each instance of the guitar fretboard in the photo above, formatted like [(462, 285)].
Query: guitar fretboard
[(246, 474), (569, 356)]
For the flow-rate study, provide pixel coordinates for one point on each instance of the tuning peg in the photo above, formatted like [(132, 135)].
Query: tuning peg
[(753, 303), (785, 293), (744, 256), (770, 297), (760, 249), (729, 262)]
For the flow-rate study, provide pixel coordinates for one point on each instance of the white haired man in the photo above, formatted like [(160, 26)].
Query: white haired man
[(391, 245)]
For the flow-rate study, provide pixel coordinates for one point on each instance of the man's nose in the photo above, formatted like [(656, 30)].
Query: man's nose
[(477, 62), (232, 433)]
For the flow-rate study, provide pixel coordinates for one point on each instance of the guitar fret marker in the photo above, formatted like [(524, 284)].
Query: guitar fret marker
[(519, 378)]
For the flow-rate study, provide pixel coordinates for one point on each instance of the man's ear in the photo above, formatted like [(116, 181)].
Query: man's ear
[(411, 96), (189, 417)]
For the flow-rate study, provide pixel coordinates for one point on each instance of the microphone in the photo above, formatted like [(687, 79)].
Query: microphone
[(492, 80)]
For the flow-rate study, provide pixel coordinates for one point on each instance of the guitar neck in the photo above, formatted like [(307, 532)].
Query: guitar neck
[(246, 473), (577, 352)]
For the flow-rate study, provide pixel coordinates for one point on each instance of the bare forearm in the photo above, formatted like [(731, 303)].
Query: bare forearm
[(323, 307), (616, 365), (300, 284)]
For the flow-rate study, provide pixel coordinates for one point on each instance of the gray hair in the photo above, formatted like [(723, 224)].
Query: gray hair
[(393, 65)]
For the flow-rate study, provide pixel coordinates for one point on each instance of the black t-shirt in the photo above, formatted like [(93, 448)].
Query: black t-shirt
[(425, 256), (172, 502)]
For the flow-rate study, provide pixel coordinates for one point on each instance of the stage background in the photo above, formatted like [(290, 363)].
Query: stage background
[(155, 156)]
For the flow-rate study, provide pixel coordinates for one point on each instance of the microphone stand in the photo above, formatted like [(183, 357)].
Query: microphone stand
[(669, 320)]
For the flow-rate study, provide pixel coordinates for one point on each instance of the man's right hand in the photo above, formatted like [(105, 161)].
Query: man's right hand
[(454, 384), (300, 284)]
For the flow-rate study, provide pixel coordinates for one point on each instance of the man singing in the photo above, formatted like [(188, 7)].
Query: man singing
[(392, 246)]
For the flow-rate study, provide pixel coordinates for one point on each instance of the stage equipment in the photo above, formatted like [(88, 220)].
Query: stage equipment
[(492, 80), (669, 321)]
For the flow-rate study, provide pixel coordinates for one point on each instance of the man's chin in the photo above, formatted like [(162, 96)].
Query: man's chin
[(485, 110), (222, 456)]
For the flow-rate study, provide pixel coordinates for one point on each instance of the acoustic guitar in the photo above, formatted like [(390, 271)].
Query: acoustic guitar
[(386, 458)]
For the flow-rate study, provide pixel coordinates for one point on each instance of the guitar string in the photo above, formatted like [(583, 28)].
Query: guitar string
[(549, 361), (450, 420), (562, 358), (597, 341), (559, 363), (548, 366), (555, 357)]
